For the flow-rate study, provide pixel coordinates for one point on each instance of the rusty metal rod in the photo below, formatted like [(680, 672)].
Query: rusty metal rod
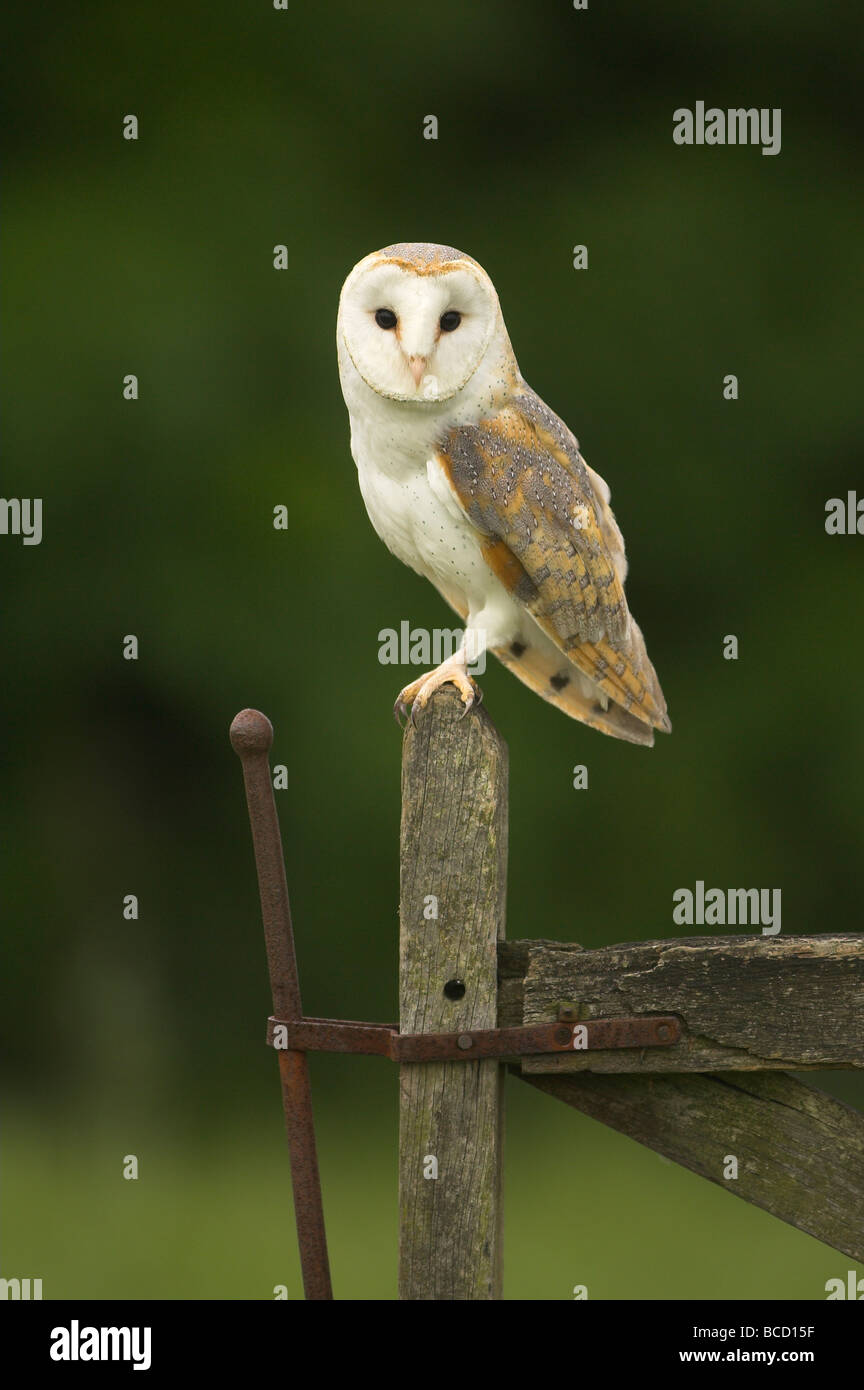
[(251, 739)]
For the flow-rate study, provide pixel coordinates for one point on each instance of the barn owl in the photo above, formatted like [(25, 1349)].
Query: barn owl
[(472, 481)]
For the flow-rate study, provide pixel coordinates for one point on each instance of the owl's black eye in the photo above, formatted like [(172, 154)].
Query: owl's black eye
[(450, 320), (385, 318)]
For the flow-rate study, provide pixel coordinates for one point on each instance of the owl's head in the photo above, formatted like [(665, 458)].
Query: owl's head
[(416, 320)]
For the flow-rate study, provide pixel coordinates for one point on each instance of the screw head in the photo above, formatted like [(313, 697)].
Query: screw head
[(464, 1041), (664, 1032)]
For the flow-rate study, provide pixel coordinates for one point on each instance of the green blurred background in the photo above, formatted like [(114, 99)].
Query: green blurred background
[(304, 127)]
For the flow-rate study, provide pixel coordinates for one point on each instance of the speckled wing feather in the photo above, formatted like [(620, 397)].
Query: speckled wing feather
[(548, 534)]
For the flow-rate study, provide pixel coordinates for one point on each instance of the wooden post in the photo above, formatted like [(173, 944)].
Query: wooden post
[(452, 905)]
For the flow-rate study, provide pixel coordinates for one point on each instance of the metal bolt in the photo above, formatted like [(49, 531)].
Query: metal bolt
[(464, 1041), (663, 1032)]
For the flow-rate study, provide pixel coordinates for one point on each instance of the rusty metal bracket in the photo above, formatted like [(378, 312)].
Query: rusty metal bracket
[(385, 1040)]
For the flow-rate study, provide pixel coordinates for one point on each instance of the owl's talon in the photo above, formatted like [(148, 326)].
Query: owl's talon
[(419, 692), (474, 701)]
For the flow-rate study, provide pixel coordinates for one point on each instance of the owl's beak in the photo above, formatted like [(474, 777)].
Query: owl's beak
[(417, 366)]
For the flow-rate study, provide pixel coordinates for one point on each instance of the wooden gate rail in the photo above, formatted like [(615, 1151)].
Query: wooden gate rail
[(751, 1003), (799, 1154)]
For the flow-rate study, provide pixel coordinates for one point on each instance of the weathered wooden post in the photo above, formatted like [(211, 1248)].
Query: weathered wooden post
[(452, 906)]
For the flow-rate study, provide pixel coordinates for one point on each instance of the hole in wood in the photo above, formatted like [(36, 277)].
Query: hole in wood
[(455, 989)]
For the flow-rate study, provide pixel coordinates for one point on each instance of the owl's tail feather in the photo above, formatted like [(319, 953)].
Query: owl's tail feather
[(544, 672)]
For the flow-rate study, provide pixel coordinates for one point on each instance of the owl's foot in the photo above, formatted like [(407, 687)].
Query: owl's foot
[(419, 692)]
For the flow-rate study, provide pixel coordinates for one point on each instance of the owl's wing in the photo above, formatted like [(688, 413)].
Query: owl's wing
[(547, 532)]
